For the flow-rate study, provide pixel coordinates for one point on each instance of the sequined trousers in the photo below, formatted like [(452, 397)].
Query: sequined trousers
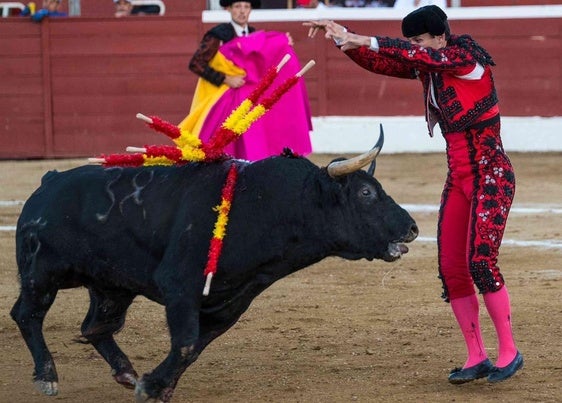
[(475, 204)]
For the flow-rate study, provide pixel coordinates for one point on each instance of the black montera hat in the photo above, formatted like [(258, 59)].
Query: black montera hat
[(425, 19), (228, 3)]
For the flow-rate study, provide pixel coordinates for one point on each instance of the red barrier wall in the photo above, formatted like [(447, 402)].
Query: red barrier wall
[(71, 87)]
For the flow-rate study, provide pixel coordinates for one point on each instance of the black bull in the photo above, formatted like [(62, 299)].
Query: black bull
[(123, 232)]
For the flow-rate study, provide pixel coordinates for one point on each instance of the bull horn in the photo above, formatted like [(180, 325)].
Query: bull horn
[(340, 168), (371, 170)]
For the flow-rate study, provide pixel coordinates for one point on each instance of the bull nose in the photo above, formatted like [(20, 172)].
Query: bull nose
[(413, 233)]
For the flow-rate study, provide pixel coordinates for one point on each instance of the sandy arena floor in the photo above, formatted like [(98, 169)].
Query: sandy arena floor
[(339, 331)]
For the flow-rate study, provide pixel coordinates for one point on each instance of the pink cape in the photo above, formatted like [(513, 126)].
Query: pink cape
[(288, 123)]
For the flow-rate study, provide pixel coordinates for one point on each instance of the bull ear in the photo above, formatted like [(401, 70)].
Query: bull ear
[(339, 168), (371, 170)]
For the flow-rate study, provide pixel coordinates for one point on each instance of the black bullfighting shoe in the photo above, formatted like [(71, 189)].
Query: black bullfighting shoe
[(501, 374), (463, 375)]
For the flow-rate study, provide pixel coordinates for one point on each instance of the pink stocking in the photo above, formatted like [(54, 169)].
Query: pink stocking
[(466, 311), (499, 309)]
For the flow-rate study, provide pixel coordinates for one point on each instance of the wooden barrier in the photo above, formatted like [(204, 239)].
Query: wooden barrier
[(71, 86)]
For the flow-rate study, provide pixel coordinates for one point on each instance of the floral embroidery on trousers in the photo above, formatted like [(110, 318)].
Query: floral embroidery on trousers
[(475, 204)]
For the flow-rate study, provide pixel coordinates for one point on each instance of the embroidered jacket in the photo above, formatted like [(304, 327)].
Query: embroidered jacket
[(460, 74), (208, 48)]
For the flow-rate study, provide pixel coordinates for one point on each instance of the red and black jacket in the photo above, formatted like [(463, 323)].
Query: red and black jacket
[(462, 100)]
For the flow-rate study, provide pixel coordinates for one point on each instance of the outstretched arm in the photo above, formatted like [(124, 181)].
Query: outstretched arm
[(458, 58), (362, 49)]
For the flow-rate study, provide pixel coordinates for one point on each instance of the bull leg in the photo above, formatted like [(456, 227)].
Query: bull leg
[(105, 317), (183, 322), (29, 313)]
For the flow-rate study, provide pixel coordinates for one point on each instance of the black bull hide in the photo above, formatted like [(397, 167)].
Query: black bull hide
[(123, 232)]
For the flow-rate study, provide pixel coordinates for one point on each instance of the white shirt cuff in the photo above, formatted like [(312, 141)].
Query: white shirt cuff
[(374, 44)]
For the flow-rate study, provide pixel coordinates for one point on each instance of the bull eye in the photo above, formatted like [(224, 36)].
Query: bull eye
[(368, 192)]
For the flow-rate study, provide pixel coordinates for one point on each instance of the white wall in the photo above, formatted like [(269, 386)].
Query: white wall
[(404, 134), (383, 13)]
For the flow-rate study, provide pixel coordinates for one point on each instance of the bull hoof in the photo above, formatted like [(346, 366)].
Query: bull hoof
[(46, 387), (127, 379), (142, 397)]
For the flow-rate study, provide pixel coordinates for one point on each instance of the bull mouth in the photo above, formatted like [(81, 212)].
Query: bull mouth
[(394, 251), (397, 248)]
